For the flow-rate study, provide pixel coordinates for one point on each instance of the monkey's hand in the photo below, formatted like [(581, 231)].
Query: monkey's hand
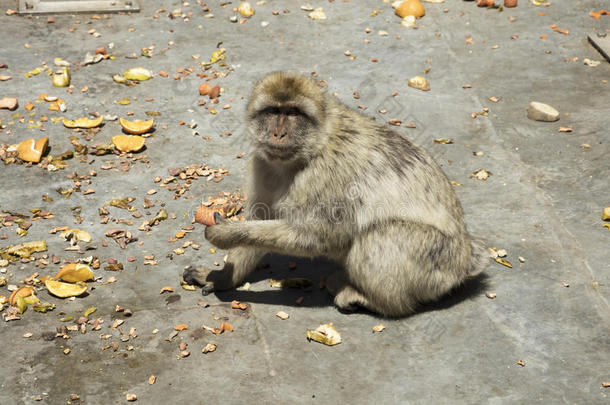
[(223, 235), (209, 280)]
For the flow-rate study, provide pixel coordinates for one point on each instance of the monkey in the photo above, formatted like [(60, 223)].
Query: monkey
[(326, 181)]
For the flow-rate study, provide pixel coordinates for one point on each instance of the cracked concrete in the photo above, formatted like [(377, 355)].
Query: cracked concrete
[(542, 202)]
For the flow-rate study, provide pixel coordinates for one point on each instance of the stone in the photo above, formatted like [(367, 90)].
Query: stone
[(542, 112)]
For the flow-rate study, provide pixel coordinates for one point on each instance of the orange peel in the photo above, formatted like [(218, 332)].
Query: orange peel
[(32, 150), (74, 272), (83, 122), (64, 290), (136, 127), (22, 292), (128, 143), (410, 7), (78, 234)]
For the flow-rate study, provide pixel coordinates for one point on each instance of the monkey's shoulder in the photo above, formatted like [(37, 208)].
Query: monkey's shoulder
[(369, 145)]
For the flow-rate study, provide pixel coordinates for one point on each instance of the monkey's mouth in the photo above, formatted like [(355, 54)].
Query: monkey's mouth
[(279, 152)]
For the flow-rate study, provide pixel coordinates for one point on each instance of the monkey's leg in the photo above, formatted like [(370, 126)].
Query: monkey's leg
[(401, 264), (278, 236), (347, 298), (241, 261)]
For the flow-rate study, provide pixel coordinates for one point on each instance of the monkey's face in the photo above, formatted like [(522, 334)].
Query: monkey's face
[(286, 113), (282, 132)]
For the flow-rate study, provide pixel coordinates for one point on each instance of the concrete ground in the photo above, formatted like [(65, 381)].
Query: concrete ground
[(543, 339)]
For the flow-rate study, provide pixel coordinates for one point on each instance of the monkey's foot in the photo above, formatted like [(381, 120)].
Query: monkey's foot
[(209, 280), (350, 300), (336, 282)]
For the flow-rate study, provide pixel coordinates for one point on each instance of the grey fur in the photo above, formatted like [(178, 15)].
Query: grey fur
[(340, 185)]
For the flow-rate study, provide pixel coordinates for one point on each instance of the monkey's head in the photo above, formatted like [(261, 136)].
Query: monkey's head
[(286, 115)]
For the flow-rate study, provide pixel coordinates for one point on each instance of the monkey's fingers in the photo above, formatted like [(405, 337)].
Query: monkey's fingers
[(207, 289), (219, 219), (195, 276), (209, 280)]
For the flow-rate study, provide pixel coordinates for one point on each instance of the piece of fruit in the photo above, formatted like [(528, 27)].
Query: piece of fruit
[(214, 92), (136, 127), (74, 272), (204, 89), (326, 334), (245, 9), (290, 282), (59, 105), (21, 304), (128, 143), (120, 79), (410, 7), (606, 214), (83, 122), (25, 249), (408, 22), (317, 14), (32, 150), (64, 290), (76, 234), (61, 78), (205, 215), (9, 103), (22, 292), (138, 73), (210, 347), (419, 82), (46, 97)]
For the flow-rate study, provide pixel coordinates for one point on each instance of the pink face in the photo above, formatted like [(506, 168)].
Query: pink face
[(282, 132)]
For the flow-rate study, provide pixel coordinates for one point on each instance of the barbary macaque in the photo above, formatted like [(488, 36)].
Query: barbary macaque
[(324, 180)]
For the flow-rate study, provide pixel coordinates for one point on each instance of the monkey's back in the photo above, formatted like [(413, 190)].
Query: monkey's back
[(385, 175)]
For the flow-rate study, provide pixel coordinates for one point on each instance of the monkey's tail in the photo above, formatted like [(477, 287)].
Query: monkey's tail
[(480, 257)]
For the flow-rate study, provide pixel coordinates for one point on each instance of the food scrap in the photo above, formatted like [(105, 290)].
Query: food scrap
[(326, 334)]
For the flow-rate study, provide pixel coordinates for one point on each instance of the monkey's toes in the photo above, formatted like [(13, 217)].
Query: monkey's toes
[(193, 275), (207, 289)]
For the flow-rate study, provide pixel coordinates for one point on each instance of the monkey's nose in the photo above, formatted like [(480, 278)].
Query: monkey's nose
[(279, 135)]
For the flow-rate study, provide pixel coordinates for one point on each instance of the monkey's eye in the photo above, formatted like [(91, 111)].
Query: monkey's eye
[(272, 110), (293, 111)]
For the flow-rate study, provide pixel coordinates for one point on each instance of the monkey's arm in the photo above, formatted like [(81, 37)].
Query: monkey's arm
[(278, 236)]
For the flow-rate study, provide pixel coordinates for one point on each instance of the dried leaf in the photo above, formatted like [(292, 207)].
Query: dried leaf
[(89, 311)]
